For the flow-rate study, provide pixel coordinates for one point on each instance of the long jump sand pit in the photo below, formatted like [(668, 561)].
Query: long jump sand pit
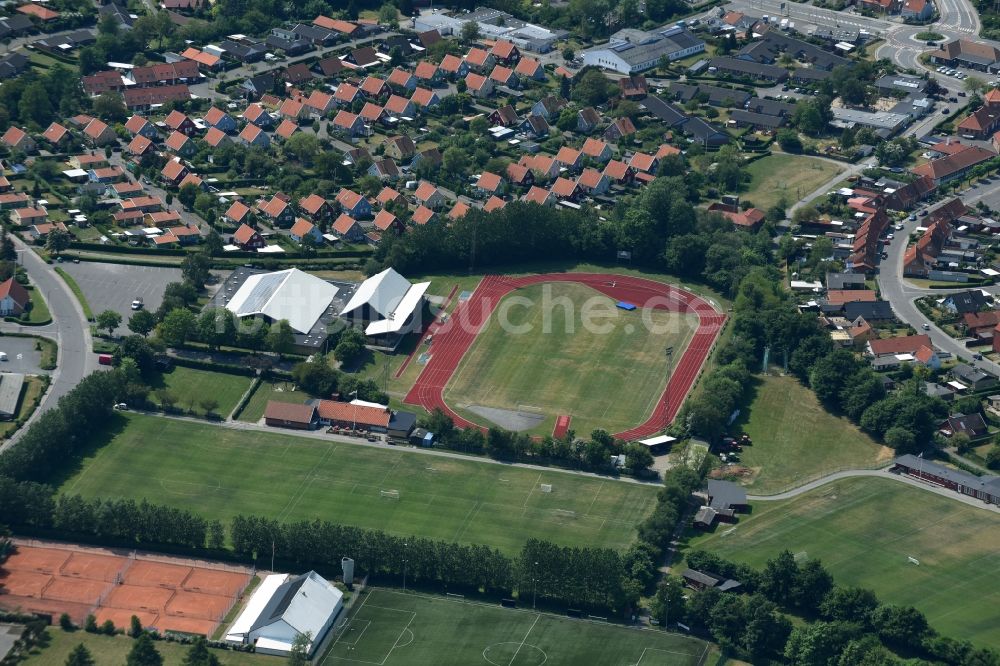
[(164, 593)]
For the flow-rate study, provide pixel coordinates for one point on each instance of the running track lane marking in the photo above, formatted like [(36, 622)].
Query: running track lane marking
[(430, 328), (453, 340)]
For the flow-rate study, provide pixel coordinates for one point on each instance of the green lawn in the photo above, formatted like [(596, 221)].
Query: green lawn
[(557, 363), (270, 390), (790, 176), (864, 530), (795, 439), (221, 472), (394, 628), (190, 386), (39, 314), (112, 651)]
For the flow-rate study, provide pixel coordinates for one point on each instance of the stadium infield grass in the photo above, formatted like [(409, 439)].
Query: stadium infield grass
[(220, 472), (795, 439), (394, 628), (608, 379), (865, 529)]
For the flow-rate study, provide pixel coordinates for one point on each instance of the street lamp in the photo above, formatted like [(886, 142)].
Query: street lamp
[(354, 415)]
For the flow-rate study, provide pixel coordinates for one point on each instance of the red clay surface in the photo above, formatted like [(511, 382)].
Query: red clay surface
[(452, 339), (167, 596)]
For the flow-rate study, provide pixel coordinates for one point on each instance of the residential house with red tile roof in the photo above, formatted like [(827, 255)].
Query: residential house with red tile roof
[(173, 172), (278, 212), (505, 52), (248, 239), (98, 133), (256, 114), (480, 60), (316, 208), (540, 196), (140, 146), (215, 137), (348, 228), (373, 113), (385, 221), (571, 158), (903, 344), (520, 175), (454, 67), (293, 110), (565, 189), (458, 211), (239, 213), (216, 117), (180, 122), (422, 215), (13, 298), (180, 144), (286, 128), (980, 124), (373, 87), (619, 172), (389, 196), (137, 125), (504, 76), (619, 129), (529, 68), (428, 73), (953, 166), (489, 183), (400, 107), (346, 94), (349, 124), (593, 182), (644, 162), (424, 98), (544, 166), (43, 14), (304, 230), (494, 203), (402, 80), (56, 134), (597, 150), (353, 204), (429, 195)]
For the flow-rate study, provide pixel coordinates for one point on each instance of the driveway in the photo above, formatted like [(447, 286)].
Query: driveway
[(21, 355), (113, 286)]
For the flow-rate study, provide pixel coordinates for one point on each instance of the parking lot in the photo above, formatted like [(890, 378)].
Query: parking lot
[(21, 355), (114, 286)]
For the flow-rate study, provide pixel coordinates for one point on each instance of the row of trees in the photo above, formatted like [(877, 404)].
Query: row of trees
[(840, 626), (592, 454)]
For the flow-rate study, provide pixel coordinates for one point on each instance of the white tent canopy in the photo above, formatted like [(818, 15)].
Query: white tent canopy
[(299, 297), (389, 295)]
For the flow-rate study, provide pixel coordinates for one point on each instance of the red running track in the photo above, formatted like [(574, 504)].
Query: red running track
[(453, 338)]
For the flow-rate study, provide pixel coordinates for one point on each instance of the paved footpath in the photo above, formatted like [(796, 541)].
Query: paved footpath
[(882, 474)]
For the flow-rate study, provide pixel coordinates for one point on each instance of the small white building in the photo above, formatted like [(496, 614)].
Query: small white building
[(388, 304), (283, 607)]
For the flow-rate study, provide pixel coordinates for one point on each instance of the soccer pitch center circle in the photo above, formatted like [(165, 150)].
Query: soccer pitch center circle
[(504, 654), (453, 338)]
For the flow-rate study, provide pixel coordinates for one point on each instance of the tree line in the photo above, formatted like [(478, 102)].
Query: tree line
[(840, 626)]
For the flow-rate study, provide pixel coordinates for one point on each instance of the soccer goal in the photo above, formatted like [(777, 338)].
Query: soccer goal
[(389, 494), (565, 513), (546, 487)]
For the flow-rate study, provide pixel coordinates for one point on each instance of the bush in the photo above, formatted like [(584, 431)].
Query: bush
[(108, 628), (66, 623), (90, 625)]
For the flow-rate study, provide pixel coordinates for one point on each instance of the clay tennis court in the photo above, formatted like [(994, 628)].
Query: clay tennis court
[(452, 339), (167, 595)]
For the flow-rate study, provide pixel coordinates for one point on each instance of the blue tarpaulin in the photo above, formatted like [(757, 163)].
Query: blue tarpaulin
[(625, 305)]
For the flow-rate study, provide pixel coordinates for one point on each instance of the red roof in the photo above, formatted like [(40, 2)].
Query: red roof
[(302, 227), (289, 412), (244, 234), (345, 412), (906, 344), (176, 141), (841, 296), (422, 96), (384, 220), (494, 203), (286, 128), (425, 70), (176, 119), (16, 291), (422, 215), (237, 211), (38, 12), (489, 182), (343, 224)]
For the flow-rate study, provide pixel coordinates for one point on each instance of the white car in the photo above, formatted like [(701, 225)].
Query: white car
[(927, 327), (890, 236), (137, 304)]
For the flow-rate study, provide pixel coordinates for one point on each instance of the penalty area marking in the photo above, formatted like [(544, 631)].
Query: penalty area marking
[(645, 650)]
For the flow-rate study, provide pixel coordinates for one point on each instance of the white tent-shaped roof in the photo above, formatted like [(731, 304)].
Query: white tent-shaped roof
[(299, 297), (391, 296)]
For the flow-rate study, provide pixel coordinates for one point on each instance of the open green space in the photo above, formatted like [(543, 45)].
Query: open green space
[(865, 529), (39, 314), (394, 628), (221, 472), (281, 391), (112, 651), (791, 177), (795, 439), (542, 352), (190, 387)]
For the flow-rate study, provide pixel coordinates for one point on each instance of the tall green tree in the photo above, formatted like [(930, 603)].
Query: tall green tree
[(144, 653), (199, 655), (57, 241), (177, 326), (80, 656), (142, 322), (108, 320), (281, 337)]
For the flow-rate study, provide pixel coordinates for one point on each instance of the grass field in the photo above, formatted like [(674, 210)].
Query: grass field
[(112, 651), (220, 472), (795, 439), (270, 390), (189, 386), (864, 530), (39, 315), (790, 176), (558, 366), (393, 628)]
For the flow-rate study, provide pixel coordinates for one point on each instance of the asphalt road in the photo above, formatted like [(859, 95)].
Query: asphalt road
[(69, 329)]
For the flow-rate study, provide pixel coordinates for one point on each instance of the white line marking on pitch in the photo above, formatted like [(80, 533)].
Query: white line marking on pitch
[(537, 618)]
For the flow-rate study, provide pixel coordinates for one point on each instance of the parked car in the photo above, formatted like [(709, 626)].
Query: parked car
[(926, 327), (137, 303)]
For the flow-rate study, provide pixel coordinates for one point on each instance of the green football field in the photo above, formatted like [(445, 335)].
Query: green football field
[(537, 355), (392, 628), (865, 530), (220, 472)]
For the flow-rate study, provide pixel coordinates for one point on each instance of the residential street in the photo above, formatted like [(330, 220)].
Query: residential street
[(69, 329)]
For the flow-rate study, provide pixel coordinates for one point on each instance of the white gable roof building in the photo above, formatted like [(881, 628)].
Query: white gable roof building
[(299, 297), (387, 301), (282, 608)]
